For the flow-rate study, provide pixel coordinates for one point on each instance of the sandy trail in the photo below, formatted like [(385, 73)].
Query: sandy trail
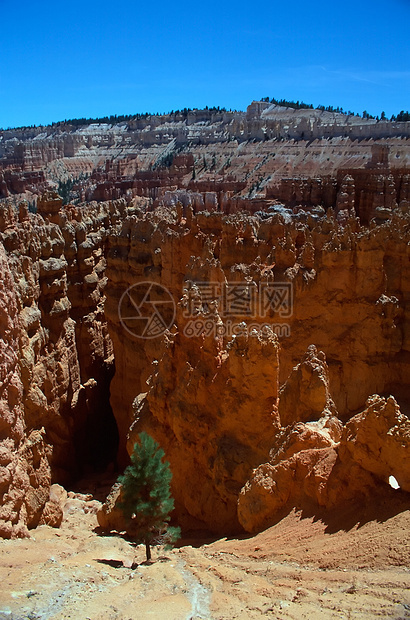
[(303, 567)]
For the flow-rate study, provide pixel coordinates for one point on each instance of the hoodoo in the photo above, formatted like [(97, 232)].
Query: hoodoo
[(236, 284)]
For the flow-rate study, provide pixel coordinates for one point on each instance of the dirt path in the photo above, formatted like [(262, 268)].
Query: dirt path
[(301, 568)]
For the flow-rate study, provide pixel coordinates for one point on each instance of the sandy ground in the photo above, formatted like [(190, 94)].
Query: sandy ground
[(352, 564)]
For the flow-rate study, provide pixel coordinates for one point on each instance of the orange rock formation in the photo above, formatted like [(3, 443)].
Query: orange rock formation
[(204, 408), (287, 263)]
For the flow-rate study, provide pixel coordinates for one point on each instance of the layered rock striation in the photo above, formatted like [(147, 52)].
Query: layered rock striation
[(235, 284), (56, 353), (268, 152), (208, 390)]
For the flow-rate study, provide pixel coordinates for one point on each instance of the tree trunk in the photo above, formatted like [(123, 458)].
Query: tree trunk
[(148, 551)]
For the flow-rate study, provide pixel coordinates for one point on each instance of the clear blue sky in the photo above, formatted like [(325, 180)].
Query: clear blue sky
[(71, 59)]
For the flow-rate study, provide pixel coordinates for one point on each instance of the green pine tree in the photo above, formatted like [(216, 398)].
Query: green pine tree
[(146, 497)]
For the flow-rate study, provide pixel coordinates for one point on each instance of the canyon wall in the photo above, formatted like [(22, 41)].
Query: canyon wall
[(250, 296), (225, 161), (56, 355), (34, 147), (242, 296), (208, 389)]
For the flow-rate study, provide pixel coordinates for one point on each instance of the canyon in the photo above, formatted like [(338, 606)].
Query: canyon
[(278, 380)]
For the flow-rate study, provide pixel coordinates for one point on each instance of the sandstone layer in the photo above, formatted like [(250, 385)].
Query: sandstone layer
[(56, 354), (227, 160), (215, 416), (275, 248), (320, 463)]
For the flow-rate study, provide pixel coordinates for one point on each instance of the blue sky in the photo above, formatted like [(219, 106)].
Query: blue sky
[(73, 59)]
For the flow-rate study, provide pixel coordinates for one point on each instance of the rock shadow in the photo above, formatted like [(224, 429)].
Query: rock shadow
[(381, 506)]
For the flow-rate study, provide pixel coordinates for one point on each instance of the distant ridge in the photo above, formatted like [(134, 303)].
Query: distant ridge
[(115, 119)]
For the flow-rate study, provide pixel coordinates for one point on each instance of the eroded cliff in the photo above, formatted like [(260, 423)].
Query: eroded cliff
[(56, 352), (235, 293), (209, 387)]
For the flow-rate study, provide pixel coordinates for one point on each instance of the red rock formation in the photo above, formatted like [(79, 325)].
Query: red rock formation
[(305, 395), (211, 396), (365, 192), (378, 439), (319, 463), (343, 279), (304, 191), (295, 155), (20, 181), (24, 468), (203, 411), (56, 355)]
